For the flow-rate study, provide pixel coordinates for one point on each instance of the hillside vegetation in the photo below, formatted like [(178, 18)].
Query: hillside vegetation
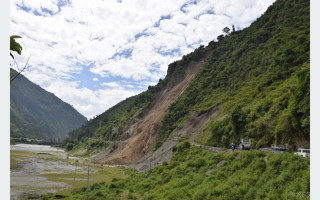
[(260, 76), (38, 114), (195, 173)]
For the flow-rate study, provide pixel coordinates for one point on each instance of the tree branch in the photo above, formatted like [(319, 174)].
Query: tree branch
[(22, 69)]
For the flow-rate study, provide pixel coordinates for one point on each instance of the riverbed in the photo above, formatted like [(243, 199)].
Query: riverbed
[(31, 163)]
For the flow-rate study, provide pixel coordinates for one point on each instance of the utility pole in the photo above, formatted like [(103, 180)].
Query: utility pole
[(88, 183), (145, 171), (75, 171)]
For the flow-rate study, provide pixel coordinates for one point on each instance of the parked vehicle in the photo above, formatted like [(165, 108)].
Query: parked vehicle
[(245, 144), (303, 152), (276, 149), (233, 146)]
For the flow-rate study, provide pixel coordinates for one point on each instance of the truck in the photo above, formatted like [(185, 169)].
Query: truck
[(245, 144), (303, 152)]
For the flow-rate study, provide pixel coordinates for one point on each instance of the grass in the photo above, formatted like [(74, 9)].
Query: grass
[(97, 174), (15, 157)]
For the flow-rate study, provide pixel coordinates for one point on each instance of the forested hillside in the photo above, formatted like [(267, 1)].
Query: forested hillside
[(261, 77), (38, 114), (257, 77)]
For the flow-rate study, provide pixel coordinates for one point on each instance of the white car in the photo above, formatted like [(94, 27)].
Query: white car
[(277, 149), (245, 144), (303, 152)]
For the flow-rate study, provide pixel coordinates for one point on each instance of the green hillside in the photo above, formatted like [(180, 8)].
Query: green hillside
[(260, 76), (38, 114), (199, 174)]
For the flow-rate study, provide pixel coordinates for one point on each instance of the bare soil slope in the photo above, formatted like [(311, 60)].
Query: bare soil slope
[(145, 133), (192, 126)]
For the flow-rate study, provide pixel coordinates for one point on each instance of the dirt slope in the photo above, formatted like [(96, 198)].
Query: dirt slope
[(192, 126), (145, 131)]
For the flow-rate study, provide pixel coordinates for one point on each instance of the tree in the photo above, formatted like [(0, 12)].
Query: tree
[(226, 30), (233, 29), (238, 120), (69, 146), (220, 37)]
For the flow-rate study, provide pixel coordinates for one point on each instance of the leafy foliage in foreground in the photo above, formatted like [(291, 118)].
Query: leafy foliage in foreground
[(250, 175), (15, 46)]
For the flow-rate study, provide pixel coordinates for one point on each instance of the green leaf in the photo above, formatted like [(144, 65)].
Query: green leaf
[(14, 36), (15, 46)]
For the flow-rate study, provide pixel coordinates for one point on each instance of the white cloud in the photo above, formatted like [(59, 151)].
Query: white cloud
[(129, 86), (85, 33), (110, 84)]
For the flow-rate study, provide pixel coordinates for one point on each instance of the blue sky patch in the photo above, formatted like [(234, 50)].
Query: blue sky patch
[(139, 35), (184, 6), (87, 80), (23, 7), (47, 11), (207, 12), (98, 38), (157, 24), (170, 52), (123, 54), (52, 44)]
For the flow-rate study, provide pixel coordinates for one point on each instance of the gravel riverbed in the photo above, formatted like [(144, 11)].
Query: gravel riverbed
[(27, 180)]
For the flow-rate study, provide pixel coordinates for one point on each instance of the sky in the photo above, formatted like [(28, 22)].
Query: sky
[(94, 54)]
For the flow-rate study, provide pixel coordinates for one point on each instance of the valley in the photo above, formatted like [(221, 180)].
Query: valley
[(192, 173), (173, 140)]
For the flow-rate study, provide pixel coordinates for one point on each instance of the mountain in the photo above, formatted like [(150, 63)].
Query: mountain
[(253, 83), (38, 114)]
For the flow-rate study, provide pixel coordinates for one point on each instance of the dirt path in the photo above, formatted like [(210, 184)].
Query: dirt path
[(213, 149)]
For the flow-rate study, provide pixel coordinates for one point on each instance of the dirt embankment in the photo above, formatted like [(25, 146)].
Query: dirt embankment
[(145, 133), (190, 129)]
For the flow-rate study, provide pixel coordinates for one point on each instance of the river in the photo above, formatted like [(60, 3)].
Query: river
[(31, 163)]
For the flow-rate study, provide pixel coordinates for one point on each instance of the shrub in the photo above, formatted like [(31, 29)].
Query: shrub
[(69, 146)]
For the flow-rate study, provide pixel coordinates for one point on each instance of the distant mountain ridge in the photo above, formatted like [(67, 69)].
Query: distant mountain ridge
[(38, 114)]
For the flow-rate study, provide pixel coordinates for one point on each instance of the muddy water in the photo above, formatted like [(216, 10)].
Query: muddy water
[(27, 179)]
